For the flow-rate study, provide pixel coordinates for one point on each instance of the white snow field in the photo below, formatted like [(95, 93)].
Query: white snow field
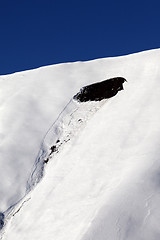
[(102, 181)]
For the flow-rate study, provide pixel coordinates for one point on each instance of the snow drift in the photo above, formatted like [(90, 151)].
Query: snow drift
[(104, 182)]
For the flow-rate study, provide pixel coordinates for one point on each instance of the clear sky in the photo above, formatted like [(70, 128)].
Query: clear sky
[(36, 33)]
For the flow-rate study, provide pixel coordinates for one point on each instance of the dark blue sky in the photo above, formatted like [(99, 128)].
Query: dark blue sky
[(36, 33)]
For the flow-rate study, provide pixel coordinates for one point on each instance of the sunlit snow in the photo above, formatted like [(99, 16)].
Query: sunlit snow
[(104, 182)]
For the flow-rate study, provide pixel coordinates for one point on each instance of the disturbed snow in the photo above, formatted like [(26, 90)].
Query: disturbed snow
[(103, 182), (70, 122)]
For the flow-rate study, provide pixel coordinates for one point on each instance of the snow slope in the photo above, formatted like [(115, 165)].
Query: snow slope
[(104, 183)]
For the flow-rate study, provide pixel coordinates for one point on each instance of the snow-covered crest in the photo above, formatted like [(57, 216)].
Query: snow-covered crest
[(111, 165)]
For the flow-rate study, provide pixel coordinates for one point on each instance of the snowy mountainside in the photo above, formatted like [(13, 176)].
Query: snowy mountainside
[(70, 122), (104, 183)]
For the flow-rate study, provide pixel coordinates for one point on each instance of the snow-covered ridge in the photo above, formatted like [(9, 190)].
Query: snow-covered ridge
[(70, 122), (108, 177)]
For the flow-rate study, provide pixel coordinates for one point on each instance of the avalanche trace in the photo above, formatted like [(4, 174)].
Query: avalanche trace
[(72, 120), (79, 158)]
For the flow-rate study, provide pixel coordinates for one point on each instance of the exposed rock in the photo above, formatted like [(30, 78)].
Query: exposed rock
[(1, 220), (101, 90)]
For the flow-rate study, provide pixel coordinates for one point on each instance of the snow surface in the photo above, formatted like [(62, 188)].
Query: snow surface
[(104, 180)]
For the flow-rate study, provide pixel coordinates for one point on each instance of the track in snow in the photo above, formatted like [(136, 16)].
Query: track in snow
[(72, 120), (69, 124)]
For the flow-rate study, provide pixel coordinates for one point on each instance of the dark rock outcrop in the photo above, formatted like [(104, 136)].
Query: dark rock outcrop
[(101, 90), (1, 220)]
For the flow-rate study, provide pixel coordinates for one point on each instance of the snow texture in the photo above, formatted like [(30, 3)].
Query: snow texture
[(99, 161)]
